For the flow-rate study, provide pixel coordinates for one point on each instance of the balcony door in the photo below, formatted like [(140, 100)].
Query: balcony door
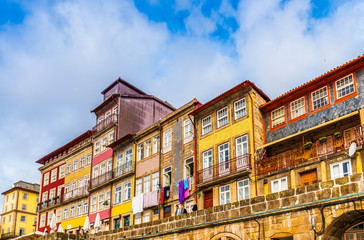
[(208, 199), (224, 164), (309, 177), (242, 150), (207, 165)]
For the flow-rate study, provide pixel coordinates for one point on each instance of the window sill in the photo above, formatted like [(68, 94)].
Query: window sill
[(342, 99), (278, 127), (298, 118), (320, 109)]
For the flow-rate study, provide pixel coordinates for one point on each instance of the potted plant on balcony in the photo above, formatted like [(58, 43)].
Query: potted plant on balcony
[(323, 139), (338, 135), (308, 144), (106, 203)]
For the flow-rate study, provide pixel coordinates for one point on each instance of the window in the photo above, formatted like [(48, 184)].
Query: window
[(239, 108), (72, 211), (65, 213), (21, 231), (75, 165), (207, 159), (167, 138), (25, 196), (109, 165), (138, 218), (319, 98), (101, 201), (146, 217), (54, 175), (58, 215), (61, 171), (49, 217), (52, 193), (129, 158), (222, 117), (79, 207), (278, 117), (42, 220), (82, 162), (69, 168), (93, 204), (102, 168), (298, 108), (156, 144), (67, 188), (243, 190), (107, 115), (87, 179), (7, 198), (107, 197), (139, 186), (100, 119), (111, 137), (115, 110), (188, 130), (45, 196), (224, 153), (9, 218), (140, 152), (104, 143), (23, 218), (97, 148), (46, 179), (85, 207), (147, 148), (4, 220), (340, 169), (167, 176), (96, 172), (80, 184), (127, 191), (117, 195), (74, 185), (88, 159), (344, 86), (147, 184), (23, 207), (189, 167), (279, 185), (206, 125), (224, 194), (13, 195), (155, 181)]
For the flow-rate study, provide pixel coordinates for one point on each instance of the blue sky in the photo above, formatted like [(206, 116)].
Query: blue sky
[(57, 56)]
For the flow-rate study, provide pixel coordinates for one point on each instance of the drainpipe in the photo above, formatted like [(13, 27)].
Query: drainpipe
[(160, 166), (255, 168), (195, 154)]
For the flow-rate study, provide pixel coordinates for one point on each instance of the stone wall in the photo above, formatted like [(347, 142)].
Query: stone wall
[(257, 218)]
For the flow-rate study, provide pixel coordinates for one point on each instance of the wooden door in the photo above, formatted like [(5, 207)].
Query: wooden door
[(309, 177), (208, 199)]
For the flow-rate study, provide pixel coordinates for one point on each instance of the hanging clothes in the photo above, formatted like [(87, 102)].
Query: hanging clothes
[(167, 191), (186, 192), (185, 183), (150, 199), (181, 195), (162, 195), (137, 204)]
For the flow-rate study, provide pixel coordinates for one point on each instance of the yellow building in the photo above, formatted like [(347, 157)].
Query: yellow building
[(226, 142), (19, 210)]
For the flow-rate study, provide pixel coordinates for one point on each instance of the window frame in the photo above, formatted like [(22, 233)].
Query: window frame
[(218, 119), (341, 173), (140, 151), (282, 124), (244, 108), (291, 111), (187, 130), (54, 175), (243, 187), (156, 144), (62, 171), (127, 191), (343, 98), (167, 140), (225, 192), (279, 180), (324, 106), (209, 125), (46, 179)]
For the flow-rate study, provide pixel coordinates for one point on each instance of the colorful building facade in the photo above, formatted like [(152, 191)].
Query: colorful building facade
[(19, 210)]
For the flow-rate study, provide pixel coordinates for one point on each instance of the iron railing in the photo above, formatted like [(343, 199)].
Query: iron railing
[(96, 181), (82, 191), (101, 125), (332, 144), (123, 169), (225, 168)]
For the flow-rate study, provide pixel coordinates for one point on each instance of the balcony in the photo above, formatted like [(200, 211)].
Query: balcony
[(102, 125), (99, 180), (124, 169), (77, 193), (223, 169), (48, 203), (332, 144)]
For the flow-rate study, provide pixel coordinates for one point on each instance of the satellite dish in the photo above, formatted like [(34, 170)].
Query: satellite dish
[(352, 149)]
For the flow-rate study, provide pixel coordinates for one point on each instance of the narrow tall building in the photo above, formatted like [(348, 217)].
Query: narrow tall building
[(19, 210)]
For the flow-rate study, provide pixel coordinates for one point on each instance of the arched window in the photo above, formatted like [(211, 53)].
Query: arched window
[(355, 233)]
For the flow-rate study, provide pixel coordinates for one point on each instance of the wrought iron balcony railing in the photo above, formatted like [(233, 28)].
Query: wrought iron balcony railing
[(331, 144), (123, 169), (97, 181), (79, 192), (223, 169), (101, 125)]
